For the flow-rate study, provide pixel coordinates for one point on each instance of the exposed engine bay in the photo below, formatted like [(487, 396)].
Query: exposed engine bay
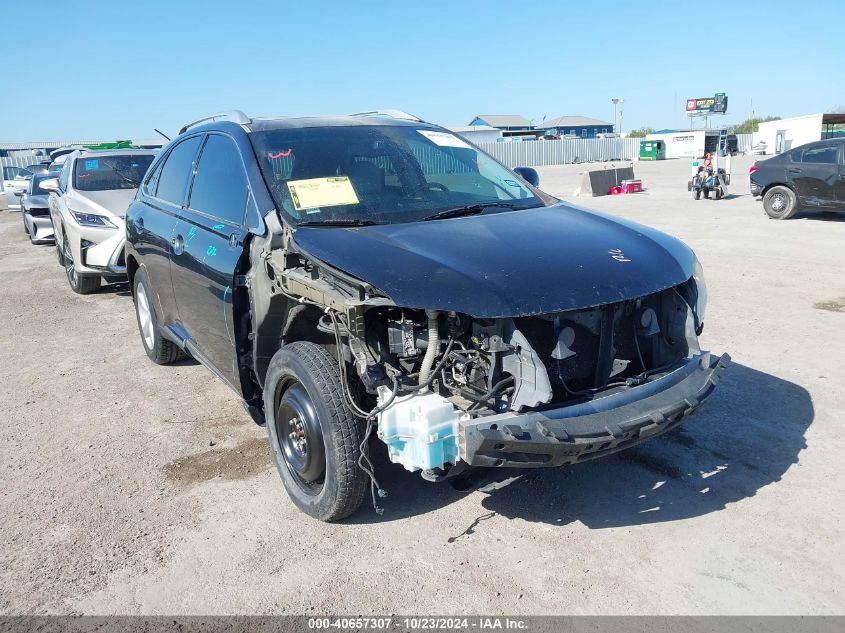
[(416, 375)]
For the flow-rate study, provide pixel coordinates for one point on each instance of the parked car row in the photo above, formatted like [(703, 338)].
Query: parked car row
[(375, 277)]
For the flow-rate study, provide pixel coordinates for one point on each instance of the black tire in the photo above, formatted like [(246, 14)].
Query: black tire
[(314, 437), (706, 194), (780, 203), (158, 349), (698, 194), (718, 194), (80, 284), (23, 217)]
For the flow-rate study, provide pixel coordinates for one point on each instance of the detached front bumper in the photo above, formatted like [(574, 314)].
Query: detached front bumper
[(592, 429)]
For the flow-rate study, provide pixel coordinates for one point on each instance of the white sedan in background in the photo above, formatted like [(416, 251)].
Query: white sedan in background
[(88, 202)]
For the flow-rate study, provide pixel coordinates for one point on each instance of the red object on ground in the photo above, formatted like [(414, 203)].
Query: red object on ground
[(632, 186), (615, 191)]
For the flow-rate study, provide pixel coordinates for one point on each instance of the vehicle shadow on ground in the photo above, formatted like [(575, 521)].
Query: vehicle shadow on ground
[(745, 437), (120, 288), (814, 214)]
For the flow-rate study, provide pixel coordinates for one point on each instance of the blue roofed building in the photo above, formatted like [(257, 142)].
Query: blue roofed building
[(580, 126)]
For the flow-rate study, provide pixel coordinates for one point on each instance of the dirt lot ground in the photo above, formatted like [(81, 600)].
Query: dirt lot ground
[(126, 487)]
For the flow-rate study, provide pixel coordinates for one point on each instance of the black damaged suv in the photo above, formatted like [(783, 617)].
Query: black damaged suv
[(375, 276)]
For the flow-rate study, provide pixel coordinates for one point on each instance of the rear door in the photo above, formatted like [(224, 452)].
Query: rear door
[(206, 248), (815, 177), (153, 221)]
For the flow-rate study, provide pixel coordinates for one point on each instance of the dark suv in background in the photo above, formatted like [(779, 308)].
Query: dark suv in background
[(810, 176), (373, 272)]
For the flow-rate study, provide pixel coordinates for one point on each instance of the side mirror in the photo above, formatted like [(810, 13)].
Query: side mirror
[(51, 184), (529, 174)]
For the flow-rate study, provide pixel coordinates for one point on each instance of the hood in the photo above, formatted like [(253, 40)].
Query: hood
[(39, 201), (513, 263), (110, 202)]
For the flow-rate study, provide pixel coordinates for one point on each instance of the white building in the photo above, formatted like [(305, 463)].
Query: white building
[(687, 143), (784, 134), (478, 133)]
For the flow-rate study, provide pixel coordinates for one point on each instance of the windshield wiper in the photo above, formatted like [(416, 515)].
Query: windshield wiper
[(470, 209), (339, 222), (121, 173)]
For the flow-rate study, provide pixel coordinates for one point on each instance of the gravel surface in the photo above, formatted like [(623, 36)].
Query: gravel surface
[(132, 488)]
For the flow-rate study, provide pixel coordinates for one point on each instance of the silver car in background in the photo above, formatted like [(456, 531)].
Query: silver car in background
[(15, 181), (88, 202), (35, 209)]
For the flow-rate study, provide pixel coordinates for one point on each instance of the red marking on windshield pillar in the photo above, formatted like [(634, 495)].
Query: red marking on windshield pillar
[(271, 155)]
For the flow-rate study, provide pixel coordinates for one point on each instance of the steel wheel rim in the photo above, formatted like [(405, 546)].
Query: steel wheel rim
[(300, 438), (70, 266), (778, 202), (145, 317)]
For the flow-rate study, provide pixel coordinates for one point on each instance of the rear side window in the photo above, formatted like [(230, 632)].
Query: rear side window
[(174, 176), (824, 154), (220, 186)]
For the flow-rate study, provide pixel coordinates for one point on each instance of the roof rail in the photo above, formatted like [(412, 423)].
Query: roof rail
[(395, 114), (235, 116)]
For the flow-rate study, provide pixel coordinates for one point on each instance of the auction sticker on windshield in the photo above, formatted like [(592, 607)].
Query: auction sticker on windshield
[(443, 139), (321, 192)]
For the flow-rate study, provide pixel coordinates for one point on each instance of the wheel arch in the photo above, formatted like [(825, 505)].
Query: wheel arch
[(132, 266), (772, 185)]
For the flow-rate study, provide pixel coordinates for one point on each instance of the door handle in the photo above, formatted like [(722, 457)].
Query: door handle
[(178, 245), (793, 170)]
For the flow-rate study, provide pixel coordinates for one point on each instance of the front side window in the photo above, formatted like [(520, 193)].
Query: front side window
[(823, 154), (220, 186), (174, 177), (106, 173), (64, 176), (381, 174)]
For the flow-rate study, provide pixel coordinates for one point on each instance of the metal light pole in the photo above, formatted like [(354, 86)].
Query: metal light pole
[(616, 102)]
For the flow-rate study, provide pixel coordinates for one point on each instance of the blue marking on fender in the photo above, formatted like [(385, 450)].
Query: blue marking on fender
[(218, 227)]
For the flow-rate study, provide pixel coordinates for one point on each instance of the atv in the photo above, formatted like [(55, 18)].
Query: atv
[(706, 181)]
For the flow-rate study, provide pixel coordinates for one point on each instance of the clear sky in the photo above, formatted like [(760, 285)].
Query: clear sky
[(119, 68)]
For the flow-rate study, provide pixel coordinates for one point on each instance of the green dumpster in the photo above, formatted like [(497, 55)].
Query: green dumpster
[(652, 150)]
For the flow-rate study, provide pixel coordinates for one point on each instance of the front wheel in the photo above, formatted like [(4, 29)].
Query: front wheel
[(23, 217), (780, 203), (159, 349), (80, 284), (314, 437)]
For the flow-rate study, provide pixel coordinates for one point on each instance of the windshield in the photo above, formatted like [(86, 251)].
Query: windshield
[(381, 174), (99, 173)]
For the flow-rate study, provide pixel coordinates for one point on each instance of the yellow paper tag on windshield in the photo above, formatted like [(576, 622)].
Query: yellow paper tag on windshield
[(321, 192)]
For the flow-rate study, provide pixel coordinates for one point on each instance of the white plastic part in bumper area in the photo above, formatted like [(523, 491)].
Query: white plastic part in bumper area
[(420, 431)]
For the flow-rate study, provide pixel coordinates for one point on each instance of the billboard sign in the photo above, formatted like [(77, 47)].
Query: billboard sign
[(717, 104)]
